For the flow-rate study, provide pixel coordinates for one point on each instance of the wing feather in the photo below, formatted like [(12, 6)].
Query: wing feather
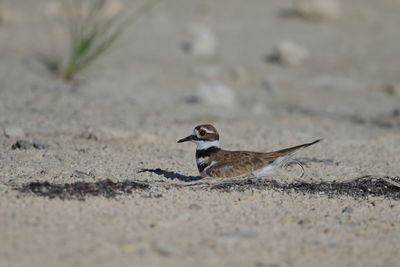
[(236, 163)]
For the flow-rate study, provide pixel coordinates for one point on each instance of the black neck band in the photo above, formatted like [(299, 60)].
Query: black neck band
[(206, 152)]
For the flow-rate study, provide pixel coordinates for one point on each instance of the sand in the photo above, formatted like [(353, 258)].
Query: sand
[(127, 111)]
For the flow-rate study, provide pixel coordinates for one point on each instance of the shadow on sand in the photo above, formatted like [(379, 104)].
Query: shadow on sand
[(172, 175)]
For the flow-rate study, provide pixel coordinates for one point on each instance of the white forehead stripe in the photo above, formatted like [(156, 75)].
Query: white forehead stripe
[(204, 129), (207, 130)]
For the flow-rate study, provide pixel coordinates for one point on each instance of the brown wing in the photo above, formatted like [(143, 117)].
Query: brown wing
[(235, 163)]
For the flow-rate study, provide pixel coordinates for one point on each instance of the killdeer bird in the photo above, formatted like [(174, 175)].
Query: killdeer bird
[(212, 161)]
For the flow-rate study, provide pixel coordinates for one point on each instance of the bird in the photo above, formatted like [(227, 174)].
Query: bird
[(215, 162)]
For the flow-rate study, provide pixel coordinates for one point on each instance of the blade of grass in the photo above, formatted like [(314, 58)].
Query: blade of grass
[(91, 33)]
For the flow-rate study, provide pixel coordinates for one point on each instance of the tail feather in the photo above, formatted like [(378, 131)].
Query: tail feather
[(291, 150), (280, 158)]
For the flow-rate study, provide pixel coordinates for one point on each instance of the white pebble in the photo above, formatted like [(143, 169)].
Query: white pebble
[(288, 53), (203, 41), (164, 249), (216, 94), (317, 9), (14, 132)]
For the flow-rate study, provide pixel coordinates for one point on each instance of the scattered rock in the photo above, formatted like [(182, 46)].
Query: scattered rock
[(102, 133), (183, 217), (39, 146), (130, 248), (316, 9), (90, 134), (164, 249), (203, 42), (152, 195), (259, 108), (14, 132), (239, 73), (192, 99), (268, 85), (392, 89), (390, 120), (82, 175), (241, 234), (194, 206), (288, 54), (22, 144), (3, 188), (347, 209), (216, 94)]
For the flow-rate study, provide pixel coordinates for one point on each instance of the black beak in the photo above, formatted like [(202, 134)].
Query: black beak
[(188, 138)]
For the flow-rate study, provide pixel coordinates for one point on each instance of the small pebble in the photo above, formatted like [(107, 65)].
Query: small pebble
[(164, 249), (288, 54), (317, 9), (347, 210), (82, 175), (392, 89), (14, 132), (130, 248), (268, 85), (22, 144), (203, 42), (216, 94), (241, 234), (194, 206)]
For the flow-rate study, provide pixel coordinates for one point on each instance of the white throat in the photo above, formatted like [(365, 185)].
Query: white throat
[(203, 145)]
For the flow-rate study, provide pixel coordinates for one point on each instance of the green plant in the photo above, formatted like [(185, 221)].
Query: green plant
[(91, 31)]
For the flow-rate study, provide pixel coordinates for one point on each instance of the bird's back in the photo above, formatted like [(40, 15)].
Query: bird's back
[(236, 163), (225, 163)]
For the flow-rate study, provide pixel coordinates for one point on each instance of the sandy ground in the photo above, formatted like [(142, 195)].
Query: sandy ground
[(131, 106)]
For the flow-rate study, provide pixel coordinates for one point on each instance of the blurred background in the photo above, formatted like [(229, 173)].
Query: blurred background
[(195, 61)]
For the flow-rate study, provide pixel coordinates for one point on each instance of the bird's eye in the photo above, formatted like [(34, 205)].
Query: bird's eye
[(202, 133)]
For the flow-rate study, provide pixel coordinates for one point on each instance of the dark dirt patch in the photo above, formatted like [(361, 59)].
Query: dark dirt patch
[(80, 190), (23, 144), (357, 188), (171, 175)]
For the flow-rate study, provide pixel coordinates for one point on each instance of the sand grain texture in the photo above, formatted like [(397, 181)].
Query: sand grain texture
[(107, 143)]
